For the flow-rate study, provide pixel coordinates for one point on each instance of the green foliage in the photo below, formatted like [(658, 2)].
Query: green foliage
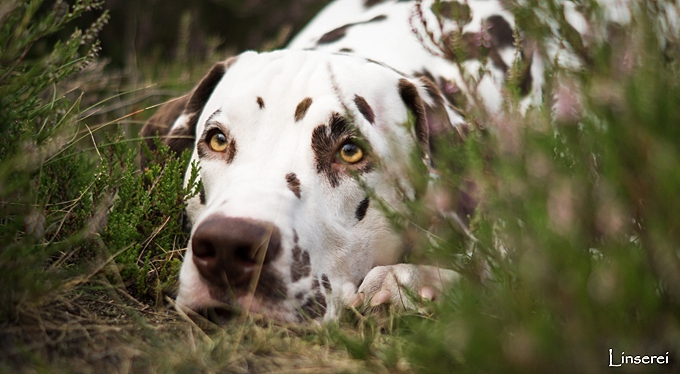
[(36, 123), (144, 225), (577, 232), (65, 212)]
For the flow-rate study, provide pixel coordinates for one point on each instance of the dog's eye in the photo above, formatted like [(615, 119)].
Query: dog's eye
[(218, 142), (351, 153)]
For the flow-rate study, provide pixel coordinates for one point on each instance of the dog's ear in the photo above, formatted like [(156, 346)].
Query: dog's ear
[(433, 119), (412, 98), (175, 122), (442, 120), (437, 125)]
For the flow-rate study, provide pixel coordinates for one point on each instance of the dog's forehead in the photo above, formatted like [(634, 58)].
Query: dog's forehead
[(303, 89)]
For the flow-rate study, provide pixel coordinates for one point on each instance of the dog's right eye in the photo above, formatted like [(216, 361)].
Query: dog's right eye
[(218, 142)]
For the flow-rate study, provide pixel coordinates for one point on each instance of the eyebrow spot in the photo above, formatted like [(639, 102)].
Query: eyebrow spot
[(260, 102), (293, 183), (364, 108), (325, 139), (301, 108)]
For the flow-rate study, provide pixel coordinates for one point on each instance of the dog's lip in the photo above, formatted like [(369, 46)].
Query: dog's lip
[(219, 314), (240, 300)]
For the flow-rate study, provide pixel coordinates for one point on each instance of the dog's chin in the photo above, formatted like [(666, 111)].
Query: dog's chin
[(243, 303)]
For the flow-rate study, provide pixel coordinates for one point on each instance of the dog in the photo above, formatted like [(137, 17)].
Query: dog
[(303, 150)]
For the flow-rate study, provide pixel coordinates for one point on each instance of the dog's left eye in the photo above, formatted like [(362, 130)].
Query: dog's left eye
[(218, 142), (351, 153)]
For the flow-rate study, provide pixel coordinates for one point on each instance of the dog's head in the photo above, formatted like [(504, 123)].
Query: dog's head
[(298, 151)]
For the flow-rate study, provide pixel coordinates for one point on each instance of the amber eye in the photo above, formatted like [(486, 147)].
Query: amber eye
[(351, 153), (218, 142)]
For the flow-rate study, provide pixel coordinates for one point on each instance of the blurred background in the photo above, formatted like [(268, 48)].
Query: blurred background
[(194, 30)]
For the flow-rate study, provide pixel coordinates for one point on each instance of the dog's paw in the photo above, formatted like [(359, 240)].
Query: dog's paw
[(402, 286)]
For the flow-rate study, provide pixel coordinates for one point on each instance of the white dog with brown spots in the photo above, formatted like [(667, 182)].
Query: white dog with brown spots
[(296, 146)]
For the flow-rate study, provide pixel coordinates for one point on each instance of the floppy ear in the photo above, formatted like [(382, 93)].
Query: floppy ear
[(411, 97), (442, 120), (436, 124), (175, 122), (434, 119)]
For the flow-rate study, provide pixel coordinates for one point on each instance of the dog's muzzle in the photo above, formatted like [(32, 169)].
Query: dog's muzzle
[(228, 252)]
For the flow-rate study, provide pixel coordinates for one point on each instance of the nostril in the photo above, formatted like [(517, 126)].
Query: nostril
[(204, 249), (244, 253)]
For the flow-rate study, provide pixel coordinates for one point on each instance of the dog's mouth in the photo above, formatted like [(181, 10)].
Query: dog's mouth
[(219, 315), (249, 305), (227, 303), (246, 303)]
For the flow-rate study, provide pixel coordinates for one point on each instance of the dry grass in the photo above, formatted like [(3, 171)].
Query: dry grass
[(100, 329)]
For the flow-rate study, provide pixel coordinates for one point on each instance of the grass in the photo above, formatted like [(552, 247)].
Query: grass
[(573, 250)]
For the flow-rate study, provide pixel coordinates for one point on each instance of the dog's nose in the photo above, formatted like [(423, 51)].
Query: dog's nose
[(228, 251)]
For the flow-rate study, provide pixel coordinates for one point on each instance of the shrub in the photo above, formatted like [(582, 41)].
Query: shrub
[(577, 231), (38, 196)]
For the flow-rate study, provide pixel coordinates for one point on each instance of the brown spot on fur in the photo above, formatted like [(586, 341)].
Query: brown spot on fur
[(496, 35), (500, 31), (361, 209), (338, 33), (315, 306), (453, 10), (346, 50), (293, 184), (260, 102), (325, 139), (326, 283), (301, 108), (370, 3), (301, 266), (364, 108)]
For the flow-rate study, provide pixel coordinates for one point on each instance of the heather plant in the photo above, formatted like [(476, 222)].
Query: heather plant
[(37, 124), (575, 233), (75, 217)]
